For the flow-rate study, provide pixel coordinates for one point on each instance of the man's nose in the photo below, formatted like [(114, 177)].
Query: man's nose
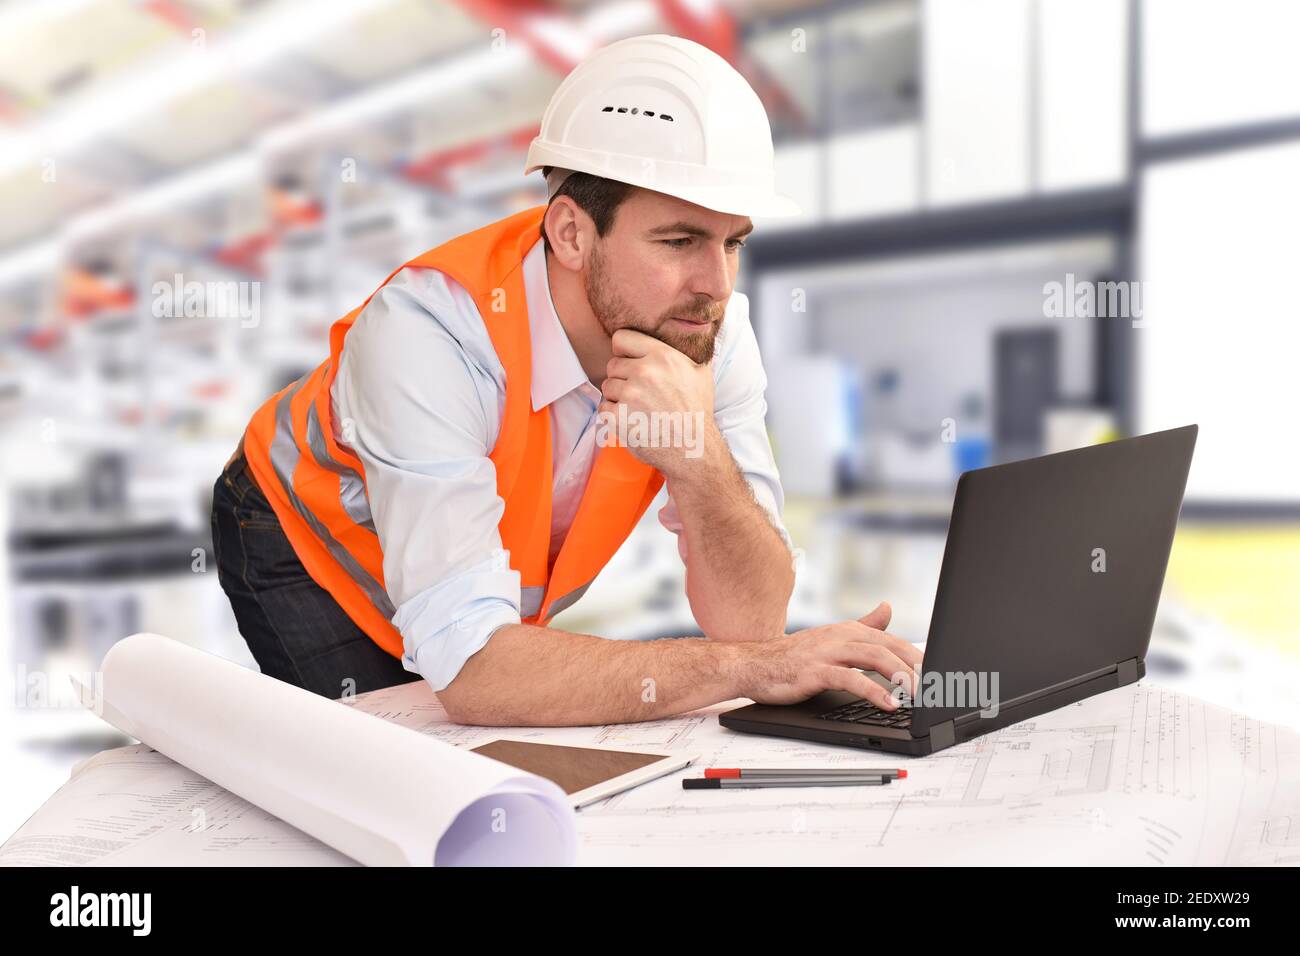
[(713, 277)]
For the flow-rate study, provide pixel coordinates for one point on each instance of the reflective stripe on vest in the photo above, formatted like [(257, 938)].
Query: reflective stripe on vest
[(284, 459), (318, 490)]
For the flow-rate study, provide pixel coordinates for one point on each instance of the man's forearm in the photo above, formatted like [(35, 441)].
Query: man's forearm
[(739, 573), (529, 676)]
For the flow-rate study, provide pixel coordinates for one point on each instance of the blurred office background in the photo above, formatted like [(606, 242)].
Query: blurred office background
[(1029, 225)]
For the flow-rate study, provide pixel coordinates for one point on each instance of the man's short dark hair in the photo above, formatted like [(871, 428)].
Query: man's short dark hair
[(597, 196)]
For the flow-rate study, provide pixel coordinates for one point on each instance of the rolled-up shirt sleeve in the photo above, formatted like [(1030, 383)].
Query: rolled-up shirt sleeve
[(740, 410), (418, 399)]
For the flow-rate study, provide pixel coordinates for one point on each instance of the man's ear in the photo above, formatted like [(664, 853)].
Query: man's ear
[(569, 229)]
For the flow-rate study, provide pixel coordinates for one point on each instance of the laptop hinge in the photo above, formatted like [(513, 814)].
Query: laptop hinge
[(1032, 696), (1127, 671), (942, 735)]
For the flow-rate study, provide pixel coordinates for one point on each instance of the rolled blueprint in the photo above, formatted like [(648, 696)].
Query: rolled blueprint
[(380, 793)]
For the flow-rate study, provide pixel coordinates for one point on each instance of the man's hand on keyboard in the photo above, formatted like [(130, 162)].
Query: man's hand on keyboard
[(793, 668)]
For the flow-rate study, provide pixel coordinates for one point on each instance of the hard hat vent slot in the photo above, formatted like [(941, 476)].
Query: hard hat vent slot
[(635, 110)]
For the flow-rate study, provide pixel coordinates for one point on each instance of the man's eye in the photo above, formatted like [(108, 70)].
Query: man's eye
[(732, 244)]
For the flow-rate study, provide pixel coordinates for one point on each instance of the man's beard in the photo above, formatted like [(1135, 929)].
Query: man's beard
[(614, 313)]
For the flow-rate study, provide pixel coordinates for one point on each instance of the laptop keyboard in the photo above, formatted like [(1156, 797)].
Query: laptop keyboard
[(865, 712)]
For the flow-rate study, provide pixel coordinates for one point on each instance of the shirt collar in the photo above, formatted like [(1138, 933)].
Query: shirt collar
[(556, 370)]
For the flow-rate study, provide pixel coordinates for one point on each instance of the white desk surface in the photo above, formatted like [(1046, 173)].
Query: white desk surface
[(1141, 775)]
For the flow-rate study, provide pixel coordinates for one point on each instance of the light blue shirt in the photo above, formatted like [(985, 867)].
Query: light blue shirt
[(419, 397)]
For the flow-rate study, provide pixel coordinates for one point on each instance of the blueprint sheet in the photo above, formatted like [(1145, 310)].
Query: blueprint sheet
[(133, 806), (1135, 776)]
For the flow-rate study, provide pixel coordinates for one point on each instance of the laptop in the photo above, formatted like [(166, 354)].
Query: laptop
[(1047, 594)]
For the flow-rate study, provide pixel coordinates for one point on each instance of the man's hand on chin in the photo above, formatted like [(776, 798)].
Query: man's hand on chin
[(667, 415)]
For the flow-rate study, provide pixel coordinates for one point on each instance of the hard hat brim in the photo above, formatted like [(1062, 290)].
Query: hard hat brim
[(734, 199)]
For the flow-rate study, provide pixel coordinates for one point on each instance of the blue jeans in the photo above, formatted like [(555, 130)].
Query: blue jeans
[(296, 631)]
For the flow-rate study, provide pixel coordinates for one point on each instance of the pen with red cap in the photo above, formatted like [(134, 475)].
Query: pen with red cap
[(733, 773)]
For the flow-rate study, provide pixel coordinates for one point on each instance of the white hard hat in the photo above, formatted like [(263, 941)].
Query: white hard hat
[(666, 114)]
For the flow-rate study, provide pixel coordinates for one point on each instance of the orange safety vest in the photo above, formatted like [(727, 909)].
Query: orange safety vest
[(318, 487)]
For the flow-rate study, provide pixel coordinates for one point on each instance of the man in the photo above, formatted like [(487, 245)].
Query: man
[(460, 468)]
